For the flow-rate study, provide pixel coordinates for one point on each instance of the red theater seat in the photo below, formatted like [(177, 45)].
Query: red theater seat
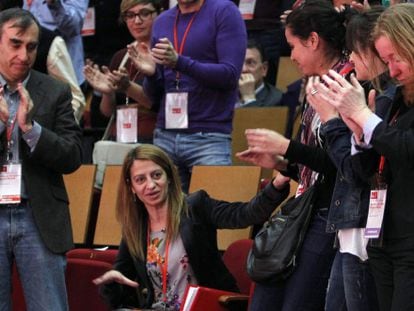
[(82, 293)]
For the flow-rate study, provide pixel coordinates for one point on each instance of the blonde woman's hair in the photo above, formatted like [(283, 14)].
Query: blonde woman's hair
[(131, 212), (397, 24)]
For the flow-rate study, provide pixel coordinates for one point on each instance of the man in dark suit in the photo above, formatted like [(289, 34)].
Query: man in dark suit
[(253, 90), (40, 142)]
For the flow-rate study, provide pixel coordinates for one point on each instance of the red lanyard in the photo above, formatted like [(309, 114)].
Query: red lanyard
[(29, 3), (164, 271), (164, 266), (180, 48), (382, 158)]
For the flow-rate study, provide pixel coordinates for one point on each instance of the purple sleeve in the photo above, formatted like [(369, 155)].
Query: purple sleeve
[(231, 42)]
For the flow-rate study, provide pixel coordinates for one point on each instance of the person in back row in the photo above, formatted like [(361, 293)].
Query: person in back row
[(120, 84), (164, 229), (193, 68), (254, 91), (65, 18)]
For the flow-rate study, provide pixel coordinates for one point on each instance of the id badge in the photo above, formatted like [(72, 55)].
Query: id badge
[(10, 183), (376, 210), (126, 125), (88, 28), (299, 190), (176, 110), (246, 8)]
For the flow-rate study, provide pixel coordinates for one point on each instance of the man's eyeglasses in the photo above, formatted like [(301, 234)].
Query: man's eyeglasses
[(143, 15)]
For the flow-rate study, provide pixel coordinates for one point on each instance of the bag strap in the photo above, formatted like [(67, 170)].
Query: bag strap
[(108, 127)]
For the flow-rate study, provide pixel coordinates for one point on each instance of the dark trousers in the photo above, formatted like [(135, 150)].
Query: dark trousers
[(393, 270), (305, 289), (351, 285)]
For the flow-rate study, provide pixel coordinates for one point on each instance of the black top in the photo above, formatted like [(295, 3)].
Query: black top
[(198, 232)]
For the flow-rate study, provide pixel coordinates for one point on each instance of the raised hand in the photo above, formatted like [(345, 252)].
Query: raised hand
[(4, 109), (164, 53), (23, 112), (141, 56), (266, 148), (347, 97), (265, 160), (247, 87), (266, 141), (114, 276), (120, 80), (317, 96), (98, 79)]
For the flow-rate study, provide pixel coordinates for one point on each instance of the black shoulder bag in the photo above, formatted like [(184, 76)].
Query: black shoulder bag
[(276, 245)]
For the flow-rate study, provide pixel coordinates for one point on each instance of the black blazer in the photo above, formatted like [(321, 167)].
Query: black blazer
[(269, 96), (198, 231), (57, 152), (396, 142)]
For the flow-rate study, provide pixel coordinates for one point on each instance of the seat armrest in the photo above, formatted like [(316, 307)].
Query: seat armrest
[(234, 302)]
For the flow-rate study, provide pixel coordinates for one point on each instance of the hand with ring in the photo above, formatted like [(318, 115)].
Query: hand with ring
[(320, 102)]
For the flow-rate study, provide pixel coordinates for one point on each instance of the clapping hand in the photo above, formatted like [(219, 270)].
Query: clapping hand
[(4, 109), (317, 96), (164, 53), (347, 97), (98, 78), (141, 56), (23, 112)]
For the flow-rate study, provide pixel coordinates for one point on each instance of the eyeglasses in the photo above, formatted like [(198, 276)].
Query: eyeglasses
[(143, 15)]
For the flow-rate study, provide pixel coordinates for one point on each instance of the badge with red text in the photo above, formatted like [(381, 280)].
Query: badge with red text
[(176, 110), (246, 8), (375, 213), (10, 183), (126, 125)]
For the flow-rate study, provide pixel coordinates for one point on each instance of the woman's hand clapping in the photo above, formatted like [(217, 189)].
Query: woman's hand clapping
[(141, 56)]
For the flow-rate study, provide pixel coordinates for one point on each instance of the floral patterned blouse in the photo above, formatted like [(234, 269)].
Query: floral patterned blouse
[(179, 273)]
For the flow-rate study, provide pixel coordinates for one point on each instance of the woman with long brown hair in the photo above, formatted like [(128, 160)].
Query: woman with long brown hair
[(169, 240)]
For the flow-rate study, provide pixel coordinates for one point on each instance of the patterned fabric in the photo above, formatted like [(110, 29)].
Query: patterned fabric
[(310, 134), (179, 273)]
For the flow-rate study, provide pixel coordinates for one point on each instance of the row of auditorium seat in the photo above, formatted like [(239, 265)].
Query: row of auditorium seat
[(93, 211), (232, 183)]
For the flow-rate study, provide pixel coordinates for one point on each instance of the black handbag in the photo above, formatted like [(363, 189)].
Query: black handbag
[(273, 255)]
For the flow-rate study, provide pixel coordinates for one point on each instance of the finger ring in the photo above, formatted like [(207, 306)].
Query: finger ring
[(314, 91)]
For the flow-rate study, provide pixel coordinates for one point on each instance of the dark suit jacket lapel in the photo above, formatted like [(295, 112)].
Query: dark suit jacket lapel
[(36, 92)]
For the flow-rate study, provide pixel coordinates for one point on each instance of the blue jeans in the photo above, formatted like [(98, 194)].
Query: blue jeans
[(187, 150), (41, 272), (305, 289), (351, 285)]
